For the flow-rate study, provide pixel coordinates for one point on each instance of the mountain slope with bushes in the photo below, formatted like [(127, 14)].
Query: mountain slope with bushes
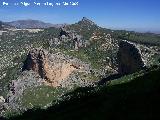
[(135, 99)]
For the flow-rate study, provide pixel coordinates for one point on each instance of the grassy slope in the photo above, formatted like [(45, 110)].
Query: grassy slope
[(137, 99), (41, 96)]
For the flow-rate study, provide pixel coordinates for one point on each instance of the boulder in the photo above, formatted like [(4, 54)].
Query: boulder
[(129, 58)]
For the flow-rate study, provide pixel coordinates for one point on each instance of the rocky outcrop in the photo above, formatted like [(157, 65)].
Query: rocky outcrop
[(53, 68), (72, 36), (36, 61), (148, 53), (64, 32), (129, 58), (86, 21)]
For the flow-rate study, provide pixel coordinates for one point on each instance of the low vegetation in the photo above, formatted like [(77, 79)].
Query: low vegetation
[(135, 99)]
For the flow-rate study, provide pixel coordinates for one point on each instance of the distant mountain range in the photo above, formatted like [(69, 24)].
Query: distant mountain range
[(29, 23), (4, 25), (24, 24)]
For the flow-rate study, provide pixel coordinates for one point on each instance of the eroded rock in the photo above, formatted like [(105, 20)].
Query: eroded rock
[(71, 36), (54, 68), (129, 58), (36, 60)]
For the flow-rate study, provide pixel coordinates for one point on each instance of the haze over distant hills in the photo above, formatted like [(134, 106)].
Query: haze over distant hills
[(29, 23), (23, 24)]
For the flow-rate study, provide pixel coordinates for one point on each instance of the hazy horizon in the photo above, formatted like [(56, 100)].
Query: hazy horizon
[(143, 30)]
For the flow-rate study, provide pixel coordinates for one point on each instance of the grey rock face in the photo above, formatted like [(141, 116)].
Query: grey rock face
[(129, 58), (64, 32), (86, 21), (72, 36), (148, 53), (35, 61), (54, 68)]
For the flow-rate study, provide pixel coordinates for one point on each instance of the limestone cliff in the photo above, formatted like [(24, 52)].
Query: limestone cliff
[(53, 68), (36, 60), (129, 58)]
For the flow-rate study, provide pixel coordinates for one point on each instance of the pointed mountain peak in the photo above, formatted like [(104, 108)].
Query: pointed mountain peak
[(87, 21)]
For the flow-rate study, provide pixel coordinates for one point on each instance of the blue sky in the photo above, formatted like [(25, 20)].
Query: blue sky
[(141, 15)]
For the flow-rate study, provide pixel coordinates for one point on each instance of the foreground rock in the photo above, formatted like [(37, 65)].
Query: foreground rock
[(129, 58)]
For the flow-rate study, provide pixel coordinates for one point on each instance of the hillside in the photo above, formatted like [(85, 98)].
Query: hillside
[(39, 66), (135, 99)]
